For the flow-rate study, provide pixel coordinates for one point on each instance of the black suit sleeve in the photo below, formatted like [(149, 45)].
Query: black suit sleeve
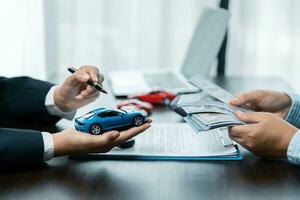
[(22, 99), (20, 147)]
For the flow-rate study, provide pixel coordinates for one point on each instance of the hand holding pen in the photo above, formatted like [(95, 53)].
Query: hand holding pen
[(79, 89), (90, 82)]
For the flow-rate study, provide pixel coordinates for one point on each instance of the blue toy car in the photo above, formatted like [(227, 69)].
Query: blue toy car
[(101, 120)]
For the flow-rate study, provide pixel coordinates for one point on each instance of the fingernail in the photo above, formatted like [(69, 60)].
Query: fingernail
[(95, 78), (79, 97)]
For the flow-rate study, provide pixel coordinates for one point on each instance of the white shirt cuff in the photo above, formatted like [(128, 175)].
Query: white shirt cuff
[(293, 115), (293, 152), (48, 146), (53, 109)]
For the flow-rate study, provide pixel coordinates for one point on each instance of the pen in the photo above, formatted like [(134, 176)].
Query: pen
[(90, 82)]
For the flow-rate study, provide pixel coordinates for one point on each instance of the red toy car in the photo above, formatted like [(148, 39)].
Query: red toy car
[(156, 97), (135, 104)]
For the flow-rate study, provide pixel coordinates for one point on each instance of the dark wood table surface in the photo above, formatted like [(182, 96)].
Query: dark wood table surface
[(252, 178)]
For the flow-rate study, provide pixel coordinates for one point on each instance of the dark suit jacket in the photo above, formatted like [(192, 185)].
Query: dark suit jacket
[(22, 100)]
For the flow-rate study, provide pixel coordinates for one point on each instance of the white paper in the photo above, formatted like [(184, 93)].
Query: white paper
[(176, 140)]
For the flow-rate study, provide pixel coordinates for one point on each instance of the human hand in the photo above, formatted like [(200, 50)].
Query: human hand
[(75, 92), (263, 100), (71, 141), (267, 136)]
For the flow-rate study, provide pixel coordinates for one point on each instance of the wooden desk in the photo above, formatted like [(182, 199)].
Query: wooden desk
[(252, 178)]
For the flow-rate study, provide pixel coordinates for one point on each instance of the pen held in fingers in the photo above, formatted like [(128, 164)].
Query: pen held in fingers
[(97, 86), (90, 82), (100, 89)]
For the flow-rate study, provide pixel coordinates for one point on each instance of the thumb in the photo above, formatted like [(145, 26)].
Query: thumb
[(253, 97), (109, 137), (251, 117)]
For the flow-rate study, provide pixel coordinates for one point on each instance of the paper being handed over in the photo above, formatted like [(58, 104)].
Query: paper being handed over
[(174, 141)]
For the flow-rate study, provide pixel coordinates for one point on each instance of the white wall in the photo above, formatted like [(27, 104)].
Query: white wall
[(22, 38), (265, 39), (264, 35), (118, 34)]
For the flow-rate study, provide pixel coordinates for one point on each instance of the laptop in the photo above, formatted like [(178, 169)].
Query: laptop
[(200, 56)]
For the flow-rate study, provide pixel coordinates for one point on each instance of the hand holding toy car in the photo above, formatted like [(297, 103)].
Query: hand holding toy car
[(75, 93), (100, 120), (71, 141)]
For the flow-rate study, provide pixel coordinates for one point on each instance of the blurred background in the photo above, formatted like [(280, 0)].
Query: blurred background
[(41, 38)]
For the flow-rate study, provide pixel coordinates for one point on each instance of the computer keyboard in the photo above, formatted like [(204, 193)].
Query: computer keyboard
[(166, 80)]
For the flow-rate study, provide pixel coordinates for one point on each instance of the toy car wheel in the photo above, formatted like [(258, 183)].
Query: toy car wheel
[(166, 101), (95, 129), (138, 120), (127, 144)]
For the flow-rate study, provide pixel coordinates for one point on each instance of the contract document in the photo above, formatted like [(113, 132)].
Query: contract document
[(175, 141)]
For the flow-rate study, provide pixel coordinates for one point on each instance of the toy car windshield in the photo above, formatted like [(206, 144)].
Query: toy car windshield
[(89, 115), (122, 111), (155, 92)]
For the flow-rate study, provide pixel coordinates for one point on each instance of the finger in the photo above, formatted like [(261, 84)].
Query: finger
[(90, 89), (252, 106), (240, 130), (79, 97), (90, 99), (107, 138), (95, 94), (86, 94), (126, 135), (78, 77), (251, 117), (253, 97), (93, 72), (237, 139), (87, 100)]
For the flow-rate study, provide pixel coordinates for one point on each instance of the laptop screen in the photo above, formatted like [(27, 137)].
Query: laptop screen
[(205, 43)]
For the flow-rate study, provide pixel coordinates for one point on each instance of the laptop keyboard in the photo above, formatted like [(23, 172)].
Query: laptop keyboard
[(166, 80)]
